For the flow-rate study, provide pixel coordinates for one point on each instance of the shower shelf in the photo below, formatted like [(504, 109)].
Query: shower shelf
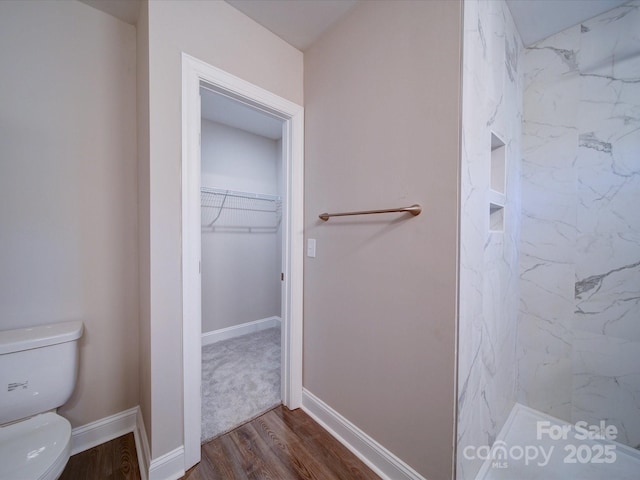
[(496, 194), (496, 198)]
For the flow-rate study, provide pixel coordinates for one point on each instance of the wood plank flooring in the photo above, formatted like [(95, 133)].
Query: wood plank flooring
[(282, 444), (114, 460)]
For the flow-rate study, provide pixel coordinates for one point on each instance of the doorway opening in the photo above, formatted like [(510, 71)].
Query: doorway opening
[(281, 198), (241, 262)]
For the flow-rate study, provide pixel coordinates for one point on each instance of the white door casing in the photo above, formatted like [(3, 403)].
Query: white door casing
[(194, 74)]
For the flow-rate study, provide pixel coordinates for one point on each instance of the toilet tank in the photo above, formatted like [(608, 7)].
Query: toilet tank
[(38, 368)]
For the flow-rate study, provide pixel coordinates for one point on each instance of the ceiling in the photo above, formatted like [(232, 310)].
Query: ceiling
[(301, 22), (218, 108), (125, 10), (539, 19)]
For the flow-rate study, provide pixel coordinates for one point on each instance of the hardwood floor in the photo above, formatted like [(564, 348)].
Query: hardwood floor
[(282, 444), (114, 460)]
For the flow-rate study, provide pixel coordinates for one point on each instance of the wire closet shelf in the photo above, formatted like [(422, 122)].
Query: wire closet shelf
[(241, 212)]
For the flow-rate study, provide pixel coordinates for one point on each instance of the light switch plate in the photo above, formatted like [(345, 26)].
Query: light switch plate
[(311, 247)]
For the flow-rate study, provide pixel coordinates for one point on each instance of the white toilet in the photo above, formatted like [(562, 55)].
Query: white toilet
[(38, 369)]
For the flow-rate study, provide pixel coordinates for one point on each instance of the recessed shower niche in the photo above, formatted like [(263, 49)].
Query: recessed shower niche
[(497, 186)]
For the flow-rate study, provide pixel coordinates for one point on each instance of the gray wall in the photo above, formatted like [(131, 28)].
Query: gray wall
[(68, 245), (382, 93), (240, 253)]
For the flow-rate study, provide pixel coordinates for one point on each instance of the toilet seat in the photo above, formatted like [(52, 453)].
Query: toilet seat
[(36, 448)]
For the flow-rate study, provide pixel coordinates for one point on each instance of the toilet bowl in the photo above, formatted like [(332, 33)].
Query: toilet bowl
[(38, 368), (36, 448)]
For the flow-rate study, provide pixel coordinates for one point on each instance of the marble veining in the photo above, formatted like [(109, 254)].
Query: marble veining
[(579, 328), (512, 47), (567, 265), (593, 283), (492, 103), (568, 57), (589, 140)]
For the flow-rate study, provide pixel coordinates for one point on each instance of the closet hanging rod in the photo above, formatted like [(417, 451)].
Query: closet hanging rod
[(413, 210), (234, 193)]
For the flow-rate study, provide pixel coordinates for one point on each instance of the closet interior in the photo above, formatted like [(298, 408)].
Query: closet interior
[(241, 262)]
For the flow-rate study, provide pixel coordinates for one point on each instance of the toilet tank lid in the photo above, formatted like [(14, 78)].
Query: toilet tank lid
[(12, 341)]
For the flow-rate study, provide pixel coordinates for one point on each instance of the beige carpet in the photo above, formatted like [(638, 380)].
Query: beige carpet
[(240, 380)]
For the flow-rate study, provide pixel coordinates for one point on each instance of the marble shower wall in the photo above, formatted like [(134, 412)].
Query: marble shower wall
[(492, 102), (579, 323)]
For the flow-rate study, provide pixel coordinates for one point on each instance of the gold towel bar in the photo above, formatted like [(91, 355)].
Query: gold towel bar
[(413, 210)]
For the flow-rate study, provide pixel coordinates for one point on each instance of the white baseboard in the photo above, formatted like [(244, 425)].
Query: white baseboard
[(374, 455), (103, 430), (237, 330), (109, 428), (142, 446), (169, 466)]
